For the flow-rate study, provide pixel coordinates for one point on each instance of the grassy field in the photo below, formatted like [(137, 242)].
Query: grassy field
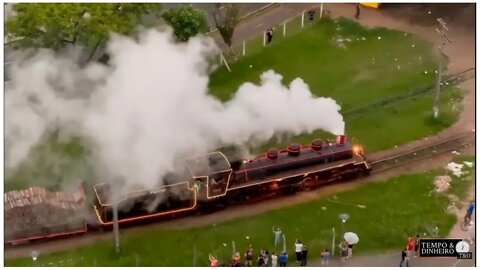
[(373, 65), (394, 210), (380, 64)]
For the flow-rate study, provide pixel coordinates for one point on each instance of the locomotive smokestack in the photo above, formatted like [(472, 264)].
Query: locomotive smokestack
[(341, 139)]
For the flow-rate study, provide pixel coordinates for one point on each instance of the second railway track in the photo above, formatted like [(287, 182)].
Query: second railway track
[(423, 152)]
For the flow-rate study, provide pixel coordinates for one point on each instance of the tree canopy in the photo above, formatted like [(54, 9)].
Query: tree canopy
[(186, 21), (57, 25), (226, 18)]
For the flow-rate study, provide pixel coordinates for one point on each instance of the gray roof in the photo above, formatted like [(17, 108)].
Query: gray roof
[(208, 164)]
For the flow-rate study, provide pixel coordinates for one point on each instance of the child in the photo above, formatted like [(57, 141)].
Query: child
[(304, 255), (404, 257), (325, 255), (274, 259), (249, 256), (283, 259)]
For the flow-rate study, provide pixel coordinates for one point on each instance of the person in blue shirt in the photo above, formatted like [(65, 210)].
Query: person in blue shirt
[(470, 209), (283, 259)]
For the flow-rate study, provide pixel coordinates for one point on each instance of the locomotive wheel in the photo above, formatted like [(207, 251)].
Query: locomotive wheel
[(307, 184)]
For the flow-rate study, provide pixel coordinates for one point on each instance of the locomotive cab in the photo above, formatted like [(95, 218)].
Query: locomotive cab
[(213, 171)]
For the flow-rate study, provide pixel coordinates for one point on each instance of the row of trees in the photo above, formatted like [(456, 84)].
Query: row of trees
[(56, 26)]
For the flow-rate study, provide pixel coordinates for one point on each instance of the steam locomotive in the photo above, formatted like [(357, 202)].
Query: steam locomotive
[(210, 181)]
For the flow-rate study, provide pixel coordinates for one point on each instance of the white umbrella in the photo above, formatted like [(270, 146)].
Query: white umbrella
[(351, 238)]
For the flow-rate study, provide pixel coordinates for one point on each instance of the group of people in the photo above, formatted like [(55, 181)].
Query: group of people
[(410, 250), (413, 246), (265, 258)]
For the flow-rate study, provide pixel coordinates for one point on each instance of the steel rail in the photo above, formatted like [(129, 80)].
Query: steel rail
[(421, 153)]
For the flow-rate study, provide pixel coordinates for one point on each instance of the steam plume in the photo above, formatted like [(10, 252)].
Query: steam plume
[(152, 107)]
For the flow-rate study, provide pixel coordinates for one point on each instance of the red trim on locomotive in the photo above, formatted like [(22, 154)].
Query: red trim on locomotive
[(126, 220), (304, 149)]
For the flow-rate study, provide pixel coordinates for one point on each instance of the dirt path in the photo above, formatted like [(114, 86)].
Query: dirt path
[(462, 53)]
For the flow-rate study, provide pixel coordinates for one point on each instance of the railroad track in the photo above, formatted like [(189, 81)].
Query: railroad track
[(448, 145), (448, 81)]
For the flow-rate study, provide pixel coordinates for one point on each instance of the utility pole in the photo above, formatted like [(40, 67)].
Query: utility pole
[(115, 227), (443, 32)]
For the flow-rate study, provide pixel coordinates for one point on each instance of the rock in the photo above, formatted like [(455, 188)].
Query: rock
[(442, 183), (468, 164)]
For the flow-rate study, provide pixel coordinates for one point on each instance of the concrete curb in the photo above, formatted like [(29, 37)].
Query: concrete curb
[(249, 15)]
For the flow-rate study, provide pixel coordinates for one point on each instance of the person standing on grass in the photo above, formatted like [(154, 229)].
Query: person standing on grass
[(269, 35), (417, 245), (350, 251), (304, 255), (278, 235), (249, 256), (274, 259), (404, 257), (343, 251), (260, 261), (357, 14), (236, 259), (265, 257), (325, 255), (283, 259), (298, 250)]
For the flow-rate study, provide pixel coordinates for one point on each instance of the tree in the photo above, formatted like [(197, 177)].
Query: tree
[(226, 17), (56, 26), (186, 21)]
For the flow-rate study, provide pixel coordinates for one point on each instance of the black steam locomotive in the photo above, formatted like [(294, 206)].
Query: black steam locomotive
[(201, 184), (212, 180)]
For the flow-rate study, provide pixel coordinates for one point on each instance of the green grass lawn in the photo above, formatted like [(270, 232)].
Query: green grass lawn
[(356, 73), (395, 209)]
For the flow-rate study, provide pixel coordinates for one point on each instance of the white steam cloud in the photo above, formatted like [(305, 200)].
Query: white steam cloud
[(151, 107)]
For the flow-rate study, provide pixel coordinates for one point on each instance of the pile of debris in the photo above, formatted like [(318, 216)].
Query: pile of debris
[(442, 183), (455, 168), (34, 210)]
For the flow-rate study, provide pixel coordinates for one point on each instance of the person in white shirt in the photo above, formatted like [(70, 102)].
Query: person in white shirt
[(274, 259), (298, 250)]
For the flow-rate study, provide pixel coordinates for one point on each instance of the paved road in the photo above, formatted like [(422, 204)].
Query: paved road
[(256, 25), (392, 259)]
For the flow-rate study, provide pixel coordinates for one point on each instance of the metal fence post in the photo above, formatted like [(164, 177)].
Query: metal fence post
[(284, 28), (264, 39), (303, 18), (333, 241), (243, 51), (321, 10)]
